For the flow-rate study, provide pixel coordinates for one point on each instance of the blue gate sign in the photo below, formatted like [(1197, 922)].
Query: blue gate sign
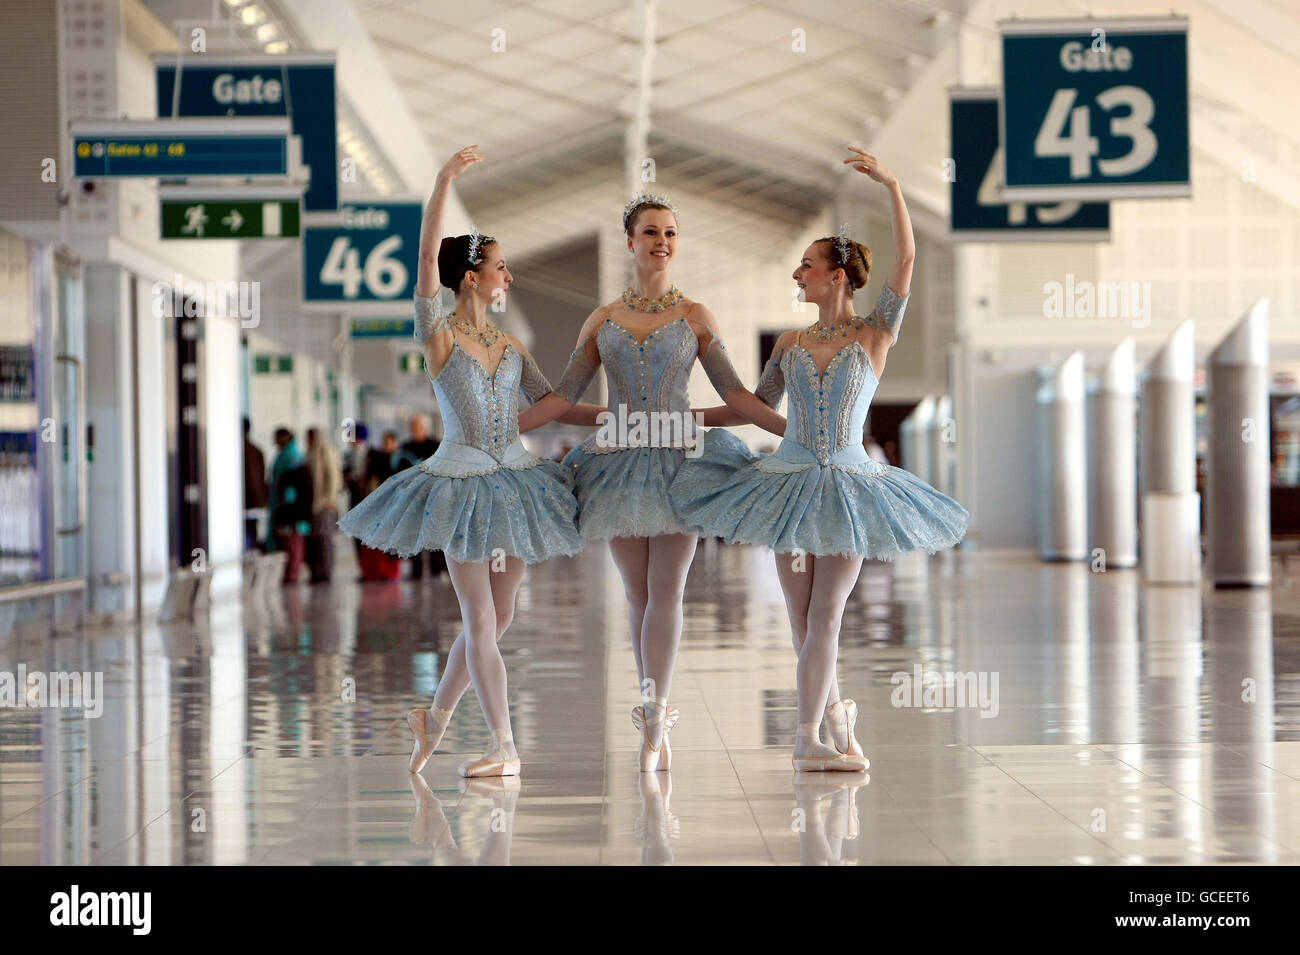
[(977, 213), (298, 85), (1095, 109), (369, 254), (164, 149)]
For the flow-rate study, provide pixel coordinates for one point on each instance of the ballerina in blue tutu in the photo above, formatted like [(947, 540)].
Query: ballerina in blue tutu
[(482, 499), (820, 502), (648, 342)]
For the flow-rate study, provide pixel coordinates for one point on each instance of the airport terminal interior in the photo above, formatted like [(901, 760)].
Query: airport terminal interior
[(210, 217)]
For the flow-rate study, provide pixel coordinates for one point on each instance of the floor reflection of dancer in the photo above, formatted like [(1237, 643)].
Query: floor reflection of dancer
[(482, 499), (430, 826), (828, 815), (820, 501), (648, 342)]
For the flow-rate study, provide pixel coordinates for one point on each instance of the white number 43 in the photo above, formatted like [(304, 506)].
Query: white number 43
[(384, 275), (1081, 146)]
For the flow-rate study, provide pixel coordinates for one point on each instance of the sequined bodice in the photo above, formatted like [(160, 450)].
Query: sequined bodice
[(478, 410), (828, 411), (649, 375)]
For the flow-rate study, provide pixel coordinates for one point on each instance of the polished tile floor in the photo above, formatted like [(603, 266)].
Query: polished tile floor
[(1119, 724)]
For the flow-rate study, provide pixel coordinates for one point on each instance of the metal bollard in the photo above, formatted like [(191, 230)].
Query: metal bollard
[(1237, 506)]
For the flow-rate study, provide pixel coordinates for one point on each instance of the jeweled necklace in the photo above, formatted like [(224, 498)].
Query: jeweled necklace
[(828, 333), (487, 337), (642, 304)]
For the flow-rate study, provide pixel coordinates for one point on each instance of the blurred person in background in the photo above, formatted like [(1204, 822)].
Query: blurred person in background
[(379, 467), (290, 503), (420, 446), (326, 484), (255, 489)]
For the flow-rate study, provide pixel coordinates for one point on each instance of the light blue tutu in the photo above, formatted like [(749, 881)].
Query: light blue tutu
[(625, 492), (481, 494), (865, 509), (524, 512), (820, 492)]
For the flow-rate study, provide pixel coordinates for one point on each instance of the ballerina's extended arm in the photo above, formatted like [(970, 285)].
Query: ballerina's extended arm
[(432, 330), (888, 313)]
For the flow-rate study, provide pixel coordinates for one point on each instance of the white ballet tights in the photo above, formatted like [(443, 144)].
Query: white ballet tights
[(654, 579), (816, 590), (455, 675), (484, 619)]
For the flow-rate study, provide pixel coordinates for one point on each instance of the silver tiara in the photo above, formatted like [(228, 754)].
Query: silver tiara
[(636, 202), (476, 242), (842, 247)]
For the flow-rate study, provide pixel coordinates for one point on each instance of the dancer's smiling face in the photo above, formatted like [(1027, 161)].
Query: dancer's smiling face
[(815, 272), (654, 238), (492, 280)]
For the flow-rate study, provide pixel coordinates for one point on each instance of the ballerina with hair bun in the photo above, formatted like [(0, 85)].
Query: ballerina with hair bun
[(482, 499), (819, 501)]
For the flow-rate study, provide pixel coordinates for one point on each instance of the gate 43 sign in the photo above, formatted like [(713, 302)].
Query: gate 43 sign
[(1095, 109), (368, 254)]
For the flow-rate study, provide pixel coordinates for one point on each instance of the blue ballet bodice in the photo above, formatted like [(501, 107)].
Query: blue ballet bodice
[(828, 411), (480, 412), (649, 375)]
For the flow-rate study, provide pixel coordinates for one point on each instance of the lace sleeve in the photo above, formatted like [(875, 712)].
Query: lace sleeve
[(771, 385), (717, 365), (532, 382), (888, 313), (577, 375), (429, 318)]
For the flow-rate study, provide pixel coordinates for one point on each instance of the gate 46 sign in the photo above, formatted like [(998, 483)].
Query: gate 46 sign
[(1095, 109), (369, 253)]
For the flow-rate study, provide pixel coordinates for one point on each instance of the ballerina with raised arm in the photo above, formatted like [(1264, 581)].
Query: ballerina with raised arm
[(819, 501), (648, 342), (482, 498)]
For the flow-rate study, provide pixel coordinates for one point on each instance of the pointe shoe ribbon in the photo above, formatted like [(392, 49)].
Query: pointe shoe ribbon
[(654, 758), (848, 714), (670, 720), (422, 724)]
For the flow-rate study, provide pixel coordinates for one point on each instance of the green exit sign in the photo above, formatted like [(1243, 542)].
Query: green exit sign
[(230, 219), (411, 363)]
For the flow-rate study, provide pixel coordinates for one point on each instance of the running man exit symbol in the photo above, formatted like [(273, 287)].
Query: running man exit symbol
[(195, 218)]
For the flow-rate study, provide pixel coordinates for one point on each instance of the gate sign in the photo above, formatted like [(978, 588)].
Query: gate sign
[(1095, 109), (297, 85), (155, 148), (368, 253), (978, 214)]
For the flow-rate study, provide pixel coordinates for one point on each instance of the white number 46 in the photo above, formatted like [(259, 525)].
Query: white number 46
[(1081, 146), (384, 275)]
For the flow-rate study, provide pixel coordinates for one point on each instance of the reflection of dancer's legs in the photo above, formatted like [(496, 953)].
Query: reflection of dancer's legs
[(487, 670), (833, 579), (455, 675), (504, 793), (657, 823)]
